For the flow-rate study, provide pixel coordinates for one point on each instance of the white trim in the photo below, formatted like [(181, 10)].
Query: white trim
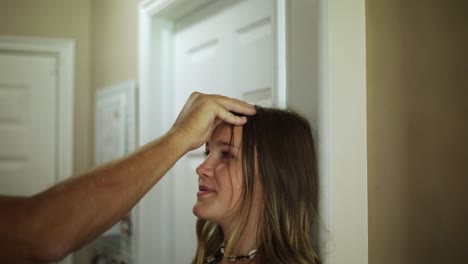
[(347, 129), (64, 50), (155, 27), (280, 53), (323, 145), (149, 74), (153, 7), (151, 125), (144, 47)]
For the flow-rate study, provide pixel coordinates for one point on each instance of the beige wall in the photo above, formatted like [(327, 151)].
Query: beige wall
[(106, 34), (114, 38), (106, 52), (114, 41), (60, 19), (417, 131)]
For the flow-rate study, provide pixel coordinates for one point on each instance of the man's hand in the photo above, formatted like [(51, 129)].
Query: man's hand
[(202, 113)]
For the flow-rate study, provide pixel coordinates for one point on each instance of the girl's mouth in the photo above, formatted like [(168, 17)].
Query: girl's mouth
[(203, 190)]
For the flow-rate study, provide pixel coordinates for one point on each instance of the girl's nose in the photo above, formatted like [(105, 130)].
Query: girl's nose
[(204, 169)]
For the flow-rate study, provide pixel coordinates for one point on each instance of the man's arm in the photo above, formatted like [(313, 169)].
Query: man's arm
[(48, 226)]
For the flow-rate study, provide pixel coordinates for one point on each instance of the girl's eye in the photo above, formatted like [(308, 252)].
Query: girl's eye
[(226, 155)]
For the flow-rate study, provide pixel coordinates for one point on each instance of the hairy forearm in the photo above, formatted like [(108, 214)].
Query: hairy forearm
[(50, 225), (76, 211)]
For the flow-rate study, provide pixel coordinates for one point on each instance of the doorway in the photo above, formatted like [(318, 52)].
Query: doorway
[(318, 69), (223, 48), (36, 114)]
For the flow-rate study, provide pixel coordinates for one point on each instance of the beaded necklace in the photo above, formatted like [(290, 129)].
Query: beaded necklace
[(219, 255)]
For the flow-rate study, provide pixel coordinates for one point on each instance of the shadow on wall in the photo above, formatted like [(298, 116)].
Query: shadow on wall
[(417, 127)]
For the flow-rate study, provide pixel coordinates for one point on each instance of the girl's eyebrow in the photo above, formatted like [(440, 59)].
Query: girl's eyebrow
[(221, 143)]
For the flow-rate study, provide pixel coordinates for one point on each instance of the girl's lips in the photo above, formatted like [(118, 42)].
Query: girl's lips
[(203, 190)]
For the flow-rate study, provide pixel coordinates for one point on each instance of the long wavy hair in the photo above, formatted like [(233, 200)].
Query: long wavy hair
[(278, 145)]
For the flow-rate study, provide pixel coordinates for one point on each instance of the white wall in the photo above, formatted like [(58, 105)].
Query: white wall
[(347, 126)]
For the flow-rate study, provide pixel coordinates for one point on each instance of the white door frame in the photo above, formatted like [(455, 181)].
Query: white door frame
[(341, 114), (63, 50)]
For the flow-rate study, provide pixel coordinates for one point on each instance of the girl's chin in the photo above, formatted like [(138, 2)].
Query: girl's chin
[(201, 213), (197, 211)]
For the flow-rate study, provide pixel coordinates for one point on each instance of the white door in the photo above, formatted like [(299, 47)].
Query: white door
[(225, 48), (28, 118)]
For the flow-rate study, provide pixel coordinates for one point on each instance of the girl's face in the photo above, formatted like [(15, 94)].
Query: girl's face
[(220, 176)]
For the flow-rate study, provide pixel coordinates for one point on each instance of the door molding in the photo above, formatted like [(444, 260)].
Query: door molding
[(155, 25), (63, 50), (339, 94)]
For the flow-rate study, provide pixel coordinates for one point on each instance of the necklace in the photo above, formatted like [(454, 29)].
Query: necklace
[(218, 257), (251, 255)]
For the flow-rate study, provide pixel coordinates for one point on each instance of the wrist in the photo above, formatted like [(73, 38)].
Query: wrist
[(179, 139)]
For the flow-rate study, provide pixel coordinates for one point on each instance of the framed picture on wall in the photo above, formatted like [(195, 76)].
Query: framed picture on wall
[(114, 121)]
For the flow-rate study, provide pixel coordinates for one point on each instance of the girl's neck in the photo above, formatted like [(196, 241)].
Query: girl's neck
[(247, 240)]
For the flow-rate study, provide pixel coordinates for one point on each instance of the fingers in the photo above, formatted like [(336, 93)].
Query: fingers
[(224, 106), (228, 117), (202, 113), (228, 105), (234, 105)]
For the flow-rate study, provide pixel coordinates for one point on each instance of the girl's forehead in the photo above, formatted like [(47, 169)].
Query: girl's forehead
[(223, 133)]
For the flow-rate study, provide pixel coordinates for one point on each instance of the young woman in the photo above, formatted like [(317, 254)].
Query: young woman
[(258, 192)]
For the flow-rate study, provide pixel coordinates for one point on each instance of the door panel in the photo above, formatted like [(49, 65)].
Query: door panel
[(253, 50), (28, 90), (222, 49)]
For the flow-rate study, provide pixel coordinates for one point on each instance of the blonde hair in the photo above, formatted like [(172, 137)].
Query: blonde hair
[(277, 144)]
